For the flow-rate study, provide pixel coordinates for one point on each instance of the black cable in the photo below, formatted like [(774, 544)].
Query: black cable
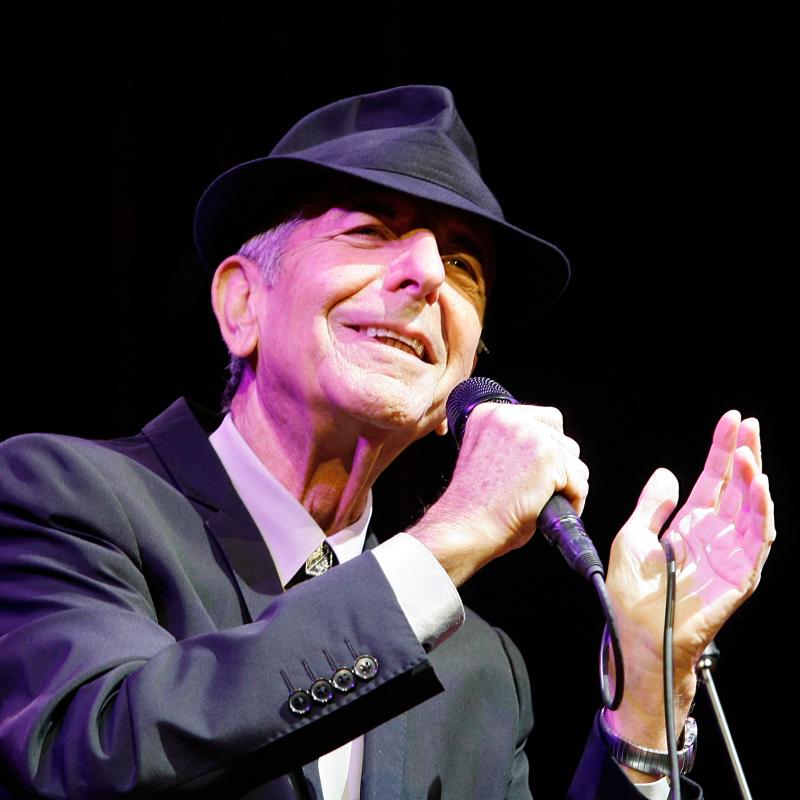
[(669, 688), (609, 632)]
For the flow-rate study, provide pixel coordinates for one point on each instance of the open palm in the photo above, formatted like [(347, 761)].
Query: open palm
[(721, 538)]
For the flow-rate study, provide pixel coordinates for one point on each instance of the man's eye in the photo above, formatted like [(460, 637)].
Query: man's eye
[(370, 230), (462, 264)]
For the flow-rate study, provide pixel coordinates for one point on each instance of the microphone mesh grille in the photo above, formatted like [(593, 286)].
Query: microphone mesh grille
[(466, 396)]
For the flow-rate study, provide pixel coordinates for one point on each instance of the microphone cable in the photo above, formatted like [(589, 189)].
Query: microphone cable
[(667, 661)]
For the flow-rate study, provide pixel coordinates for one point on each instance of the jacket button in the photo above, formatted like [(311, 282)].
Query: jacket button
[(344, 679), (322, 691), (366, 667), (300, 702)]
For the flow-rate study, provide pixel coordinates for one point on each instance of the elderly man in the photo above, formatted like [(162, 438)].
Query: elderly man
[(161, 634)]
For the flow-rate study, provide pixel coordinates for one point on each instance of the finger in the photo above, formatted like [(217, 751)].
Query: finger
[(761, 523), (656, 502), (719, 463), (574, 463), (577, 486), (735, 496), (750, 436), (572, 446)]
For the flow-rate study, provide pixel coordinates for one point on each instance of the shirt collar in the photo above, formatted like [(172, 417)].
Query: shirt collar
[(289, 531)]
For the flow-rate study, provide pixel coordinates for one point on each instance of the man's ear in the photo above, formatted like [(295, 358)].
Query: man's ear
[(234, 294)]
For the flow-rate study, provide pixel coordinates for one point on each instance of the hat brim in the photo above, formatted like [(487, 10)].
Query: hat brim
[(251, 197)]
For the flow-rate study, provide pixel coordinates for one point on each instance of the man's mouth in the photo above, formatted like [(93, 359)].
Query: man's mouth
[(394, 339)]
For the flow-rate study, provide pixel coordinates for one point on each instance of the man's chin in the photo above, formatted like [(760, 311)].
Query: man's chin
[(388, 403)]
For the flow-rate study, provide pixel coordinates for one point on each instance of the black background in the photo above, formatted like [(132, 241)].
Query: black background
[(654, 152)]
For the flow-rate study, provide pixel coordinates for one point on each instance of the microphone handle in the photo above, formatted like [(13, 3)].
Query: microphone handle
[(562, 527)]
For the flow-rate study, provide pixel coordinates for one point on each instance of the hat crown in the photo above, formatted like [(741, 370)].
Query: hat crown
[(402, 113), (413, 133)]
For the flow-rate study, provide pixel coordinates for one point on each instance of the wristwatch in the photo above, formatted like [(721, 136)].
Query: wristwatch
[(646, 759)]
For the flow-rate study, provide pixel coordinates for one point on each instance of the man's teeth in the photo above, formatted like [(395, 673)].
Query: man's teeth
[(415, 344)]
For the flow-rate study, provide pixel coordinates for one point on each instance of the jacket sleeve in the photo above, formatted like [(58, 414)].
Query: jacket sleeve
[(99, 694)]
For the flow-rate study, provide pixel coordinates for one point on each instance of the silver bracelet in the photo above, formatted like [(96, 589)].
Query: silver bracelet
[(646, 759)]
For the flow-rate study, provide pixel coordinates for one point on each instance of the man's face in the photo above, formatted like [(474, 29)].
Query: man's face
[(376, 314)]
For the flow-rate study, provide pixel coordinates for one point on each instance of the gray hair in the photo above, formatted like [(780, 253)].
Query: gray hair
[(266, 250)]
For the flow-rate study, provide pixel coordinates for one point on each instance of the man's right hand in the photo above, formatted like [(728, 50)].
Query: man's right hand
[(513, 459)]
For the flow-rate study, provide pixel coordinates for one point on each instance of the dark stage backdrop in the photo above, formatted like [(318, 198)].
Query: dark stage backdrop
[(659, 168)]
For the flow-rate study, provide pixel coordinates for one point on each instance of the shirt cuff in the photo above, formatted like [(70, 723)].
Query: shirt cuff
[(657, 790), (427, 596)]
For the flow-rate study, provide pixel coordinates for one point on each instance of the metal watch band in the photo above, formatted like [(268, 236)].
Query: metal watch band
[(646, 759)]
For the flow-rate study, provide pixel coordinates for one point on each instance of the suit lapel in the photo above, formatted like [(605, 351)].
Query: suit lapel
[(191, 465), (247, 555)]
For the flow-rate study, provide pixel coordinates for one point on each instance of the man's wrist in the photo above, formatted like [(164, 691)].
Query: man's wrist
[(445, 537), (648, 760), (640, 717)]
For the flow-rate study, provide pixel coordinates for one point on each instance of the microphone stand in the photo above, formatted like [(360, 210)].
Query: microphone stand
[(707, 663)]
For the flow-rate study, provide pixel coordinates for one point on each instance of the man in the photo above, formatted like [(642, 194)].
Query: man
[(159, 633)]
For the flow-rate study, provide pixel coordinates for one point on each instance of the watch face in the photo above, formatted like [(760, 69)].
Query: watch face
[(689, 748), (689, 734)]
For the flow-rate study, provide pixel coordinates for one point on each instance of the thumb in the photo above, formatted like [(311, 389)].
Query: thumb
[(656, 502)]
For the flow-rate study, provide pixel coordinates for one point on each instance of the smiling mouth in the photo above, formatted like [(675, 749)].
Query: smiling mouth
[(393, 339)]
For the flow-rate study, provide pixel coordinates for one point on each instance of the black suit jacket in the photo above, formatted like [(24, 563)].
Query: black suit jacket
[(147, 644)]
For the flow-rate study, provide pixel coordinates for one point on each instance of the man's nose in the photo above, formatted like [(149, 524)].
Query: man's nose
[(417, 268)]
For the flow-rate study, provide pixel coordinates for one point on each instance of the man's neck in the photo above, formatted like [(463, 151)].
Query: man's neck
[(327, 465)]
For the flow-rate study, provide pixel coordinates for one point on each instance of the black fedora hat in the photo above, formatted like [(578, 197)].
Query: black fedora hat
[(410, 139)]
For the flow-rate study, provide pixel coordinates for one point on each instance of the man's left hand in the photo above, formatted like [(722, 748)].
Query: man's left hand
[(721, 538)]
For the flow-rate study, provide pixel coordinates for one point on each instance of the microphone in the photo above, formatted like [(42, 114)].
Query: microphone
[(558, 522)]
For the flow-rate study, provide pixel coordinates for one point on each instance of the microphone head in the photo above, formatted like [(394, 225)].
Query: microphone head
[(466, 396)]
